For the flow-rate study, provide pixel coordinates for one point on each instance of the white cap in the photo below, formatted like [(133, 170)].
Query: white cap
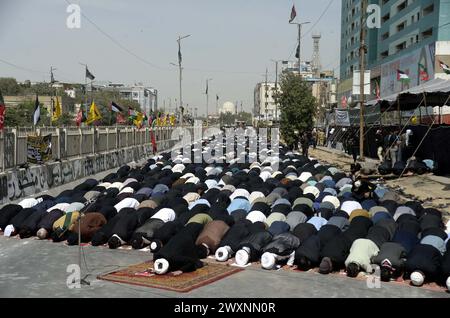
[(193, 180), (304, 176), (222, 254), (256, 216), (187, 176), (255, 195), (161, 266), (178, 168), (9, 229), (350, 206), (333, 200), (42, 234), (239, 193), (165, 215), (242, 257), (117, 185), (28, 203), (264, 175), (127, 190), (417, 279), (268, 260), (186, 161), (313, 190), (106, 185)]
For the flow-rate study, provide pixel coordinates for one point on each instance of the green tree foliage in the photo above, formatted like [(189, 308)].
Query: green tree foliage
[(229, 119), (66, 119), (297, 106), (9, 86), (22, 115)]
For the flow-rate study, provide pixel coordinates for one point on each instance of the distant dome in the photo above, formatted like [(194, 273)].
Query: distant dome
[(228, 107)]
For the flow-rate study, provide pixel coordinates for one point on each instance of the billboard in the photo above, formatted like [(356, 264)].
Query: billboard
[(410, 64)]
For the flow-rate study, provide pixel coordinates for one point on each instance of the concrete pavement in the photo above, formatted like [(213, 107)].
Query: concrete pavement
[(33, 268)]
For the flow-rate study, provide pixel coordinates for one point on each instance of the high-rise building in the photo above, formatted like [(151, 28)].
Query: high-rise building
[(413, 38)]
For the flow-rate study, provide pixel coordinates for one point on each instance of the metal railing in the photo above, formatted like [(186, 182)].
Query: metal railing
[(71, 142)]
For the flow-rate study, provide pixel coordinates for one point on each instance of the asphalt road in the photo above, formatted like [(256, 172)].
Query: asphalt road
[(33, 268)]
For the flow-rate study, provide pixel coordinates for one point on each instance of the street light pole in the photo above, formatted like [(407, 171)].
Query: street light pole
[(180, 59), (299, 45), (362, 66), (276, 87), (207, 101)]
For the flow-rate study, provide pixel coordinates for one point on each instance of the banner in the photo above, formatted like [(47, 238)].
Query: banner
[(372, 115), (39, 149), (342, 118), (347, 118)]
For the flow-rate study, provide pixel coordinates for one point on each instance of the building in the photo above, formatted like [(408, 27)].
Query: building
[(228, 107), (265, 108), (147, 97), (292, 67), (412, 33)]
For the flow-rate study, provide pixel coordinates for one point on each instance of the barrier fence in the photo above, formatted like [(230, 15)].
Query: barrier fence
[(72, 142)]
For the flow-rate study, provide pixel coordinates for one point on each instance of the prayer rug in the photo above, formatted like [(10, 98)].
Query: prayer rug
[(141, 276)]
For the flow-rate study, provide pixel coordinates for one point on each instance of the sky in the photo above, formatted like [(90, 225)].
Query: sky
[(232, 42)]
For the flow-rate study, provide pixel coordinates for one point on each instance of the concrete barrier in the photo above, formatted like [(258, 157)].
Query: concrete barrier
[(20, 183)]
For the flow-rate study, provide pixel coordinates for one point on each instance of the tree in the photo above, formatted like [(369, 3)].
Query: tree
[(297, 107), (9, 86), (22, 115)]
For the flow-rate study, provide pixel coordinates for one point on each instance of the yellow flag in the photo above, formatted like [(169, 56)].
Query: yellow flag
[(94, 114), (139, 120), (172, 120), (57, 111)]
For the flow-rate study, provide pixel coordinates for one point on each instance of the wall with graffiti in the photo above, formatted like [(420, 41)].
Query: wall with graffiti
[(20, 183)]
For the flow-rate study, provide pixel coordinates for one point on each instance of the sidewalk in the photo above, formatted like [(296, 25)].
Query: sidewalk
[(433, 191)]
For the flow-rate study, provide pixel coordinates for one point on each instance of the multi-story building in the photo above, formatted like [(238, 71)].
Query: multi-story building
[(414, 36), (147, 97), (265, 108)]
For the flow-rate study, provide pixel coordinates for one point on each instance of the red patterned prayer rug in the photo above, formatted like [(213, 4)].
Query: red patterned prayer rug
[(140, 276)]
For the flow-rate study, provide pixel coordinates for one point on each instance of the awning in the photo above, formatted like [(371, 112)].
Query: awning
[(436, 93)]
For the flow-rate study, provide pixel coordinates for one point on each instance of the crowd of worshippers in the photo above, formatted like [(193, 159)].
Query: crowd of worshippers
[(395, 151), (286, 210)]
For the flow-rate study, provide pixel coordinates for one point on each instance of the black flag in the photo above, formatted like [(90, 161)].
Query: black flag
[(89, 74), (297, 54), (180, 58), (37, 111)]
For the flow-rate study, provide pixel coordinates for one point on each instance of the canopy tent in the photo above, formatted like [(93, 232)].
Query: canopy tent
[(432, 93)]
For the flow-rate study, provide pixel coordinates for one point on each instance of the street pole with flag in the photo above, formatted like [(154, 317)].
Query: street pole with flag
[(299, 48), (445, 67), (2, 112), (207, 101), (37, 112), (217, 104), (180, 60)]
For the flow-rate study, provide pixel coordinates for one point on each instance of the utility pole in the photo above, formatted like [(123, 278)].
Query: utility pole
[(52, 80), (362, 67), (266, 88), (276, 88), (299, 25), (180, 59), (207, 101)]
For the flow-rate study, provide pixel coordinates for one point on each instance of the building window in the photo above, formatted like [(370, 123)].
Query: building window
[(427, 33), (386, 17), (385, 1), (135, 95), (428, 10), (401, 26), (402, 6), (401, 46), (384, 54), (385, 36)]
